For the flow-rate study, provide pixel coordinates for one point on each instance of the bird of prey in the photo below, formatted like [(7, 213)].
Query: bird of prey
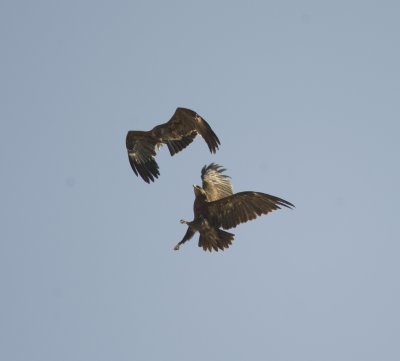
[(216, 206), (177, 134)]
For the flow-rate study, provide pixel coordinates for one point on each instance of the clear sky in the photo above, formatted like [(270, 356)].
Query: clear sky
[(304, 96)]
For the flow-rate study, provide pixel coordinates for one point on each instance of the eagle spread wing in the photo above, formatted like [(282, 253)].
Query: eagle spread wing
[(215, 184), (177, 134), (241, 207), (185, 124)]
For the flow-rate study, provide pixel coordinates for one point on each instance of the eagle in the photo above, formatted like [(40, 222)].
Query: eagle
[(177, 134), (216, 206)]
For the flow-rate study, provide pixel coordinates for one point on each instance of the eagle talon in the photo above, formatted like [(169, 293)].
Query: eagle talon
[(176, 247), (183, 221)]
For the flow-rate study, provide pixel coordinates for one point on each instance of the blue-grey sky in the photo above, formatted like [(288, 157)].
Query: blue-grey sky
[(304, 96)]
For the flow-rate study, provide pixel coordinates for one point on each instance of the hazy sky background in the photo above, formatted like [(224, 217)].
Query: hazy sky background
[(304, 96)]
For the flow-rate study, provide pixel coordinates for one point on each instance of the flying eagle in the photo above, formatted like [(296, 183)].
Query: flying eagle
[(216, 206), (177, 134)]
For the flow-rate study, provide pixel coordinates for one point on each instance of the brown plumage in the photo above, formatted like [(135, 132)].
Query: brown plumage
[(177, 134), (216, 206)]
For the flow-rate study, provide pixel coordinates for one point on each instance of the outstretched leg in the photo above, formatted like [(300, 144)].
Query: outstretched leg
[(188, 235)]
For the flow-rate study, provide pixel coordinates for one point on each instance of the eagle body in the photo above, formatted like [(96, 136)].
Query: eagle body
[(216, 206), (177, 134)]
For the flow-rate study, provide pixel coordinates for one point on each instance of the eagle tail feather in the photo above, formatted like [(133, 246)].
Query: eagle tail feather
[(217, 240)]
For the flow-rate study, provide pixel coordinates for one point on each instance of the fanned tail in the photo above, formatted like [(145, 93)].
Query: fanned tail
[(215, 240)]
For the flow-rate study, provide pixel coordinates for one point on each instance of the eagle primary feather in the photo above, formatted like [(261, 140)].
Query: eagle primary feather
[(216, 206), (177, 134)]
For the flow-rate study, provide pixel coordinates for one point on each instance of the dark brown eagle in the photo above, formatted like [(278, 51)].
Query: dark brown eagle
[(216, 206), (177, 134)]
